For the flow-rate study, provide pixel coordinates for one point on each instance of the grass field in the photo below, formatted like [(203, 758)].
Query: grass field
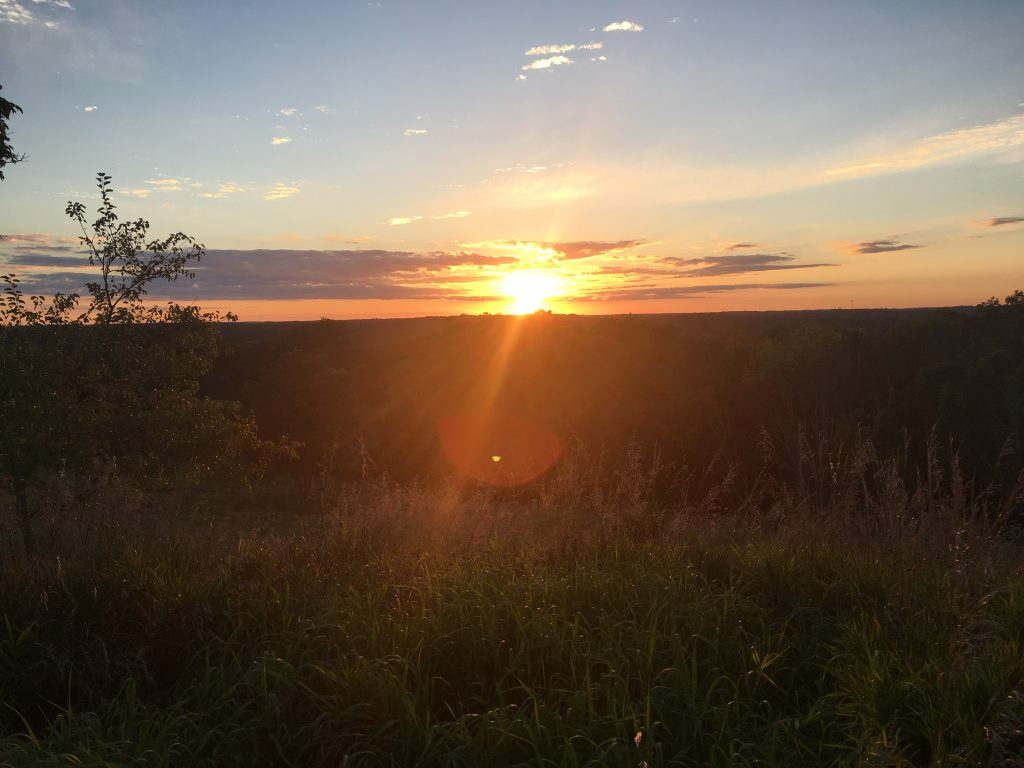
[(584, 624)]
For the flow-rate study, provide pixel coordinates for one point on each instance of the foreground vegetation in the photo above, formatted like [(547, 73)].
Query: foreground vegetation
[(805, 551), (585, 622)]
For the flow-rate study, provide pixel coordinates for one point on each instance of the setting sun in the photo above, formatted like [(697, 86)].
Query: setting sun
[(529, 289)]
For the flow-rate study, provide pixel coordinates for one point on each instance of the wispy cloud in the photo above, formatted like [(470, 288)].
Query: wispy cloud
[(287, 112), (14, 13), (165, 185), (586, 249), (90, 108), (880, 246), (548, 63), (398, 221), (945, 147), (548, 50), (624, 26), (323, 109), (718, 266), (27, 239), (415, 131), (280, 192), (279, 140), (522, 168), (738, 246), (569, 251), (1004, 220), (224, 190)]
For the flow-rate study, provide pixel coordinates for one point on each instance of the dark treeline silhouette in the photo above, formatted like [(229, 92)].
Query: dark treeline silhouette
[(701, 390)]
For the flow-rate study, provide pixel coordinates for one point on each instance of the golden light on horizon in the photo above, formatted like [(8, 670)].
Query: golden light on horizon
[(529, 289)]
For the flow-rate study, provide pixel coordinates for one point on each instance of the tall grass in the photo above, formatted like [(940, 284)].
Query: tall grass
[(833, 608)]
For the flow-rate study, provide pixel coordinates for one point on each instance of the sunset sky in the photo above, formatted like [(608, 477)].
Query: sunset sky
[(375, 159)]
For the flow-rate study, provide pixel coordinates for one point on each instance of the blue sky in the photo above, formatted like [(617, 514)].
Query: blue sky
[(400, 158)]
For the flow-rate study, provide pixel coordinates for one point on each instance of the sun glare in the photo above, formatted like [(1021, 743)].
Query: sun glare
[(529, 290)]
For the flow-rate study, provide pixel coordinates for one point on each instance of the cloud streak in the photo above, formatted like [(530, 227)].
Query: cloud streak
[(944, 147), (33, 258), (224, 190), (568, 251), (289, 274), (586, 249), (165, 185), (1002, 221), (300, 274), (280, 192), (26, 239), (881, 246), (548, 50), (663, 292), (548, 63), (740, 264)]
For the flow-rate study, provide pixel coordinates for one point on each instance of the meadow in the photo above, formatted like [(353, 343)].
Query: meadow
[(792, 596)]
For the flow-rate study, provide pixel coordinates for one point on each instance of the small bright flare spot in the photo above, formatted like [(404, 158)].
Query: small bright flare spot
[(529, 289), (495, 459)]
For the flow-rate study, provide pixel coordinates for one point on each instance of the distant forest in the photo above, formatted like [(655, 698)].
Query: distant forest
[(692, 391)]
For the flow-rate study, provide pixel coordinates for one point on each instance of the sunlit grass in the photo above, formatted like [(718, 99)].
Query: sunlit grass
[(415, 626)]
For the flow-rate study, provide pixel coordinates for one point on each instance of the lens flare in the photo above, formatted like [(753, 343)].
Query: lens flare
[(499, 448)]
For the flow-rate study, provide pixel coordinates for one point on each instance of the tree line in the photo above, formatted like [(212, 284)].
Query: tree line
[(110, 380), (695, 388)]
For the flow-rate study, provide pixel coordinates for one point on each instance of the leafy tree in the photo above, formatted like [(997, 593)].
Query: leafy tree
[(1015, 299), (129, 264), (118, 379), (7, 154)]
